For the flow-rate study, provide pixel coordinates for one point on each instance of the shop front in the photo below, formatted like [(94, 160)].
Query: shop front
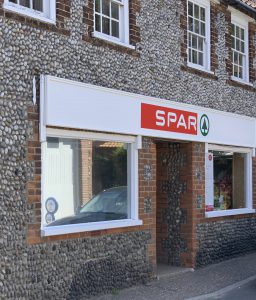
[(113, 160)]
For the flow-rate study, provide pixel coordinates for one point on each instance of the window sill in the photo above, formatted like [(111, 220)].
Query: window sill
[(75, 228), (196, 67), (108, 39), (241, 81), (199, 72), (231, 212), (28, 13)]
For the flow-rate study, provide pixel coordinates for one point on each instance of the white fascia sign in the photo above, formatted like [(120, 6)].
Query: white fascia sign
[(76, 105)]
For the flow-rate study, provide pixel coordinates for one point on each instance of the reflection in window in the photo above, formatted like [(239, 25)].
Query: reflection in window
[(87, 179), (229, 180)]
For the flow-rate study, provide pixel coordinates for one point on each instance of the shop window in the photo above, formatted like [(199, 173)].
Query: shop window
[(228, 180), (88, 183), (239, 46), (111, 20), (43, 10), (198, 17)]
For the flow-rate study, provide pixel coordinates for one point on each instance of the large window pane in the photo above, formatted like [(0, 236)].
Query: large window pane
[(229, 180), (85, 181)]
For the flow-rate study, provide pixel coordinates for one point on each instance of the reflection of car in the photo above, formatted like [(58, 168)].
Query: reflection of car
[(110, 204)]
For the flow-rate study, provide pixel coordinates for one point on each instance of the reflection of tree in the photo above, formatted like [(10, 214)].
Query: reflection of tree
[(109, 168)]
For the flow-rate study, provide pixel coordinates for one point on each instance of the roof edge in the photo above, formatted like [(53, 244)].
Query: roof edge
[(243, 5)]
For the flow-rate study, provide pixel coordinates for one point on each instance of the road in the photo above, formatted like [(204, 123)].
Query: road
[(244, 292)]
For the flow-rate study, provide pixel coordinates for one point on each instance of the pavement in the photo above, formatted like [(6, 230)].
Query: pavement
[(234, 279)]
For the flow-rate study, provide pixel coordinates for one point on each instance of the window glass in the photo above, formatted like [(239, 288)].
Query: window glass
[(196, 34), (107, 17), (228, 179), (34, 4), (85, 181), (44, 10), (238, 51), (38, 5)]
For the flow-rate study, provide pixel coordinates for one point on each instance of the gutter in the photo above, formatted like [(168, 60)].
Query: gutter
[(243, 5)]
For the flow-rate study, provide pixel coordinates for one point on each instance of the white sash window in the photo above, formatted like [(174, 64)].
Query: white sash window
[(44, 10)]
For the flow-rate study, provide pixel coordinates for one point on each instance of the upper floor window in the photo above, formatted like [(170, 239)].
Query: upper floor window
[(239, 45), (111, 20), (198, 35), (44, 10)]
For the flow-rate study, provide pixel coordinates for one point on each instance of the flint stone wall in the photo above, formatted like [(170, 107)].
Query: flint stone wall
[(27, 50), (225, 239)]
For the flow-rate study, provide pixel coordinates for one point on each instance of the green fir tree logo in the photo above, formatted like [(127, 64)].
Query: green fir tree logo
[(204, 125)]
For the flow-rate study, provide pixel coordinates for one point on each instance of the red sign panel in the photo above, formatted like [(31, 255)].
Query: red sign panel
[(168, 119)]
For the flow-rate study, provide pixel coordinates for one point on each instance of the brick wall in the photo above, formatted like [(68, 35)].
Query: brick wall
[(147, 193), (215, 9), (86, 171)]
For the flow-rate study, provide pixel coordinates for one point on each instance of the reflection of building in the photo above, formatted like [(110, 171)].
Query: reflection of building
[(170, 81)]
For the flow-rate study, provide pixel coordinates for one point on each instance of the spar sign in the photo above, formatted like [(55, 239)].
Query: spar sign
[(173, 120)]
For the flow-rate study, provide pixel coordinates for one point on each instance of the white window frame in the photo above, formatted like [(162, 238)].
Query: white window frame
[(47, 16), (241, 20), (207, 54), (124, 38), (248, 181), (133, 180)]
